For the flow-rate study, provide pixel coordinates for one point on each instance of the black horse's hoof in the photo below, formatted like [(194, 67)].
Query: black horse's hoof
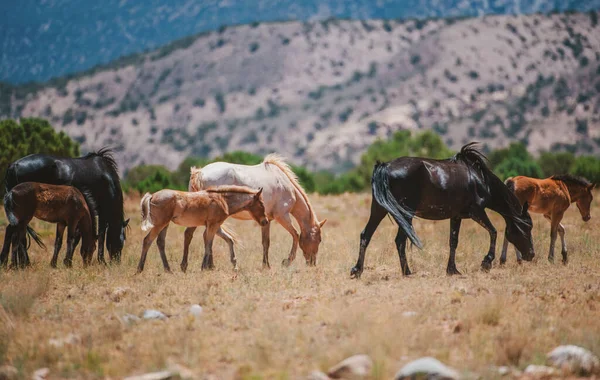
[(453, 272), (355, 273), (486, 266)]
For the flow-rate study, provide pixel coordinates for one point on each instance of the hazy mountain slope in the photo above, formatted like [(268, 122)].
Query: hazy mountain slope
[(321, 92), (44, 39)]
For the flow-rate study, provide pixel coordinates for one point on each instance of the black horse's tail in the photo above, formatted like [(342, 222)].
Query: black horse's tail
[(382, 194), (9, 208)]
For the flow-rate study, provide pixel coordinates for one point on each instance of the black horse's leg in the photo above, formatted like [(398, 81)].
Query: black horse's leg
[(68, 261), (6, 246), (482, 219), (161, 242), (101, 237), (377, 215), (454, 232), (60, 230), (401, 246), (16, 247)]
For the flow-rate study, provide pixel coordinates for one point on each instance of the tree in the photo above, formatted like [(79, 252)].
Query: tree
[(556, 163), (29, 136), (515, 150), (514, 166), (149, 178), (587, 167)]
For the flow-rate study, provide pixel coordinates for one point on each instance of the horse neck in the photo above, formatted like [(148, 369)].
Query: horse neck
[(504, 202), (575, 191), (237, 202), (303, 213)]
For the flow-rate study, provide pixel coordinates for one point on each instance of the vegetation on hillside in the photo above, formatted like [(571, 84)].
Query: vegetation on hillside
[(28, 136)]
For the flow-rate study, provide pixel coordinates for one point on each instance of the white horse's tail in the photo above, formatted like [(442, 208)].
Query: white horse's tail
[(145, 206), (233, 235), (195, 183)]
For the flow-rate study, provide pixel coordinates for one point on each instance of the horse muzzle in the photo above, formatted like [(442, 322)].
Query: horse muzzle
[(587, 218)]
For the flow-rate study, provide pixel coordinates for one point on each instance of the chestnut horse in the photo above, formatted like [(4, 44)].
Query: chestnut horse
[(552, 197), (64, 205), (283, 195), (208, 208)]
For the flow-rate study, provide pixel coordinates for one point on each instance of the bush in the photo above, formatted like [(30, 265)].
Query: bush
[(556, 163), (588, 167), (149, 178), (30, 136), (514, 166)]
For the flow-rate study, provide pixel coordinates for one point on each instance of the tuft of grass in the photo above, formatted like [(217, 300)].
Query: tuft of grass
[(19, 299)]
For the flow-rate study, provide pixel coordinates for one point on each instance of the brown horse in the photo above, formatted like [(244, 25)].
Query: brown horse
[(64, 205), (552, 197), (208, 208)]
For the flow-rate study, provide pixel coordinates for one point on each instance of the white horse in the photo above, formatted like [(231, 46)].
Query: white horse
[(282, 196)]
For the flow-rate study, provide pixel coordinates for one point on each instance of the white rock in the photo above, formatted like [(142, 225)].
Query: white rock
[(130, 319), (429, 367), (154, 314), (354, 367), (41, 374), (540, 371), (408, 314), (8, 372), (162, 375), (317, 375), (118, 294), (196, 310), (70, 339), (574, 359), (503, 370)]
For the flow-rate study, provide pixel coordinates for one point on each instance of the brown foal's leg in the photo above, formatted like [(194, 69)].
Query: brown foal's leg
[(146, 245), (68, 261), (188, 235), (286, 223), (561, 231), (161, 241), (209, 236), (60, 230), (266, 242)]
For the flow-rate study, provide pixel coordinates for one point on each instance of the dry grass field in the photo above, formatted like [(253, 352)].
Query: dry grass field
[(286, 322)]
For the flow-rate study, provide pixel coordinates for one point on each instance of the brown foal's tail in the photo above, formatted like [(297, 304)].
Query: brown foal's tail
[(145, 205), (234, 237)]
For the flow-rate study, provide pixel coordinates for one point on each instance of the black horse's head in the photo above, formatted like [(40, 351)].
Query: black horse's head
[(115, 239), (518, 232)]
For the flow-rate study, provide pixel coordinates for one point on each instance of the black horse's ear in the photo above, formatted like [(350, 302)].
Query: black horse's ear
[(525, 208), (126, 223)]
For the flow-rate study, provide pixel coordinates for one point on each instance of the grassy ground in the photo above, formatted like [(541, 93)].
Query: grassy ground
[(285, 322)]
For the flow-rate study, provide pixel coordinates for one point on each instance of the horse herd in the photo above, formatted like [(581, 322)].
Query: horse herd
[(83, 195)]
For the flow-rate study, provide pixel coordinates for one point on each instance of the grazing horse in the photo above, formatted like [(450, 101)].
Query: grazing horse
[(208, 208), (457, 188), (283, 197), (96, 172), (64, 205), (552, 197)]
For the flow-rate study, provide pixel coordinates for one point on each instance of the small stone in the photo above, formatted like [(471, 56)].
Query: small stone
[(354, 367), (540, 371), (119, 293), (130, 319), (162, 375), (575, 360), (8, 372), (317, 375), (70, 339), (458, 327), (503, 370), (41, 374), (409, 314), (154, 314), (429, 367), (196, 310)]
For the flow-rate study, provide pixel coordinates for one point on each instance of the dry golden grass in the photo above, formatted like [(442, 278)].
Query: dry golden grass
[(285, 322)]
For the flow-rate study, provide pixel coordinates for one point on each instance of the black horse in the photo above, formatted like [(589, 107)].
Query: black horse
[(456, 188), (96, 172)]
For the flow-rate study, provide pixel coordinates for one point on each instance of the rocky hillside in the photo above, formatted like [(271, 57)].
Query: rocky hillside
[(321, 92)]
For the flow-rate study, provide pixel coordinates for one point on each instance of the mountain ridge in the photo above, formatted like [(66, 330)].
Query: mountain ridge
[(321, 92)]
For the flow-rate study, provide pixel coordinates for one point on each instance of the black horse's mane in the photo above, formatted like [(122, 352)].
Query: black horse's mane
[(106, 154), (573, 179), (470, 155)]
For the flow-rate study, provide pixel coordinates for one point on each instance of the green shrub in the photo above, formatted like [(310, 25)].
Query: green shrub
[(556, 163), (588, 167)]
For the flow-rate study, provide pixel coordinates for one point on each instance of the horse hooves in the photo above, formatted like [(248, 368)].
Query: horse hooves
[(286, 262), (551, 260), (266, 266), (355, 273), (453, 272), (486, 266), (184, 268), (407, 272)]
